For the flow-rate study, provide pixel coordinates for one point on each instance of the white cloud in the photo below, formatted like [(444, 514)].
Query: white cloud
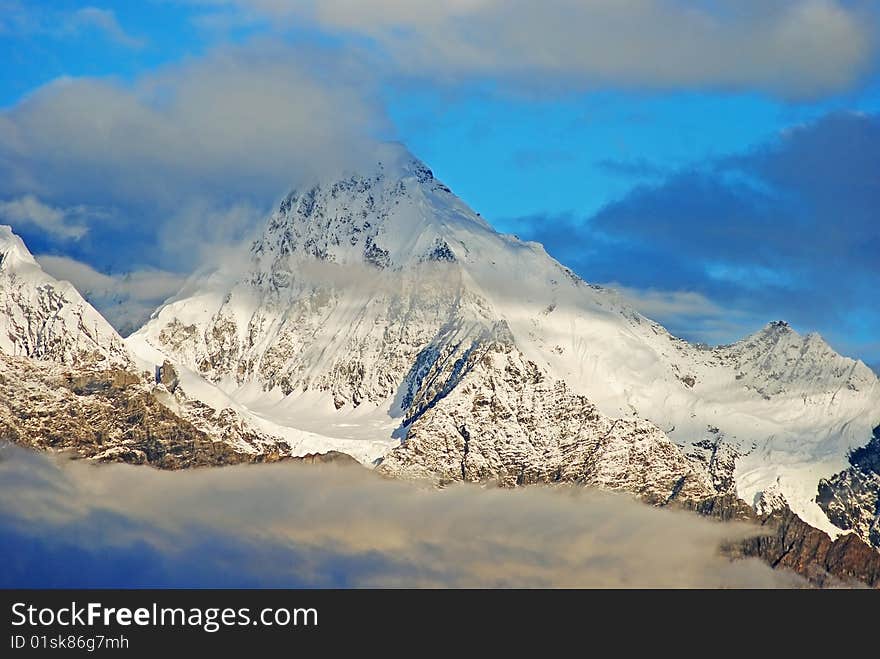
[(793, 48), (64, 223), (653, 302), (263, 116), (19, 19), (125, 299), (689, 313), (103, 20)]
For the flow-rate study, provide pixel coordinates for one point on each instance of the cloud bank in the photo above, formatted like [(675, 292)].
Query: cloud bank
[(190, 155), (795, 48), (75, 524)]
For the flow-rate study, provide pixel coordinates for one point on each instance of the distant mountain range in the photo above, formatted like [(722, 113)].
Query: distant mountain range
[(378, 317)]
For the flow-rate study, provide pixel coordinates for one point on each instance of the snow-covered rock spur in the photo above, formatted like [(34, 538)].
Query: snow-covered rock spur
[(47, 319)]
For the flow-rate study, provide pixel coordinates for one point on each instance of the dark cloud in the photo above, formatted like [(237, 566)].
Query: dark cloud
[(118, 183), (66, 523), (660, 284)]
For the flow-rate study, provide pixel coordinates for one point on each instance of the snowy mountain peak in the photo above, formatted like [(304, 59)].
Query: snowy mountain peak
[(373, 305), (780, 331), (394, 216), (48, 319), (13, 252), (777, 327), (788, 360)]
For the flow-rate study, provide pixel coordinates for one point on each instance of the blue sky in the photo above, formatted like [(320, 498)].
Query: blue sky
[(717, 161)]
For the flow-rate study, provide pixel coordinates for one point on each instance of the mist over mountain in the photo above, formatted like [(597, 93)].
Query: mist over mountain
[(71, 523)]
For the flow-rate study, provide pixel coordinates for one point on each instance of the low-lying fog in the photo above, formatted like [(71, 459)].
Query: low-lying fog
[(67, 523)]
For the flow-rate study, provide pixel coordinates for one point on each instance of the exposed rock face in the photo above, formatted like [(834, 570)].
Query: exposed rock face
[(789, 543), (718, 457), (330, 457), (113, 415), (795, 545), (777, 360), (345, 287), (769, 501), (168, 376), (507, 422), (851, 499)]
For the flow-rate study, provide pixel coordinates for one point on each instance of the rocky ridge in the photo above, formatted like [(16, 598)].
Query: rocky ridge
[(507, 423), (113, 415), (851, 498)]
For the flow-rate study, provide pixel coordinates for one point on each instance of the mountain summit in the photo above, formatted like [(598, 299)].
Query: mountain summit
[(48, 319), (380, 311)]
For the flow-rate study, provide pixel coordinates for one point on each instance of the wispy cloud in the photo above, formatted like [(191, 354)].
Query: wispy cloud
[(64, 223), (688, 313), (20, 19), (102, 20)]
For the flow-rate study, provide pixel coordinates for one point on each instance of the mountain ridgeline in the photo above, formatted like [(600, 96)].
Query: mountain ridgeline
[(380, 317)]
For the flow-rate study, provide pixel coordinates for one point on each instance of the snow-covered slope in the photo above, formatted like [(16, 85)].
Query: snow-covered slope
[(70, 381), (363, 300), (47, 319)]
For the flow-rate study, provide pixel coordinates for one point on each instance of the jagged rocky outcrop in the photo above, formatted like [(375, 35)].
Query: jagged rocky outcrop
[(69, 382), (718, 457), (113, 415), (508, 423), (330, 457), (795, 545), (345, 288), (851, 499), (787, 542)]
